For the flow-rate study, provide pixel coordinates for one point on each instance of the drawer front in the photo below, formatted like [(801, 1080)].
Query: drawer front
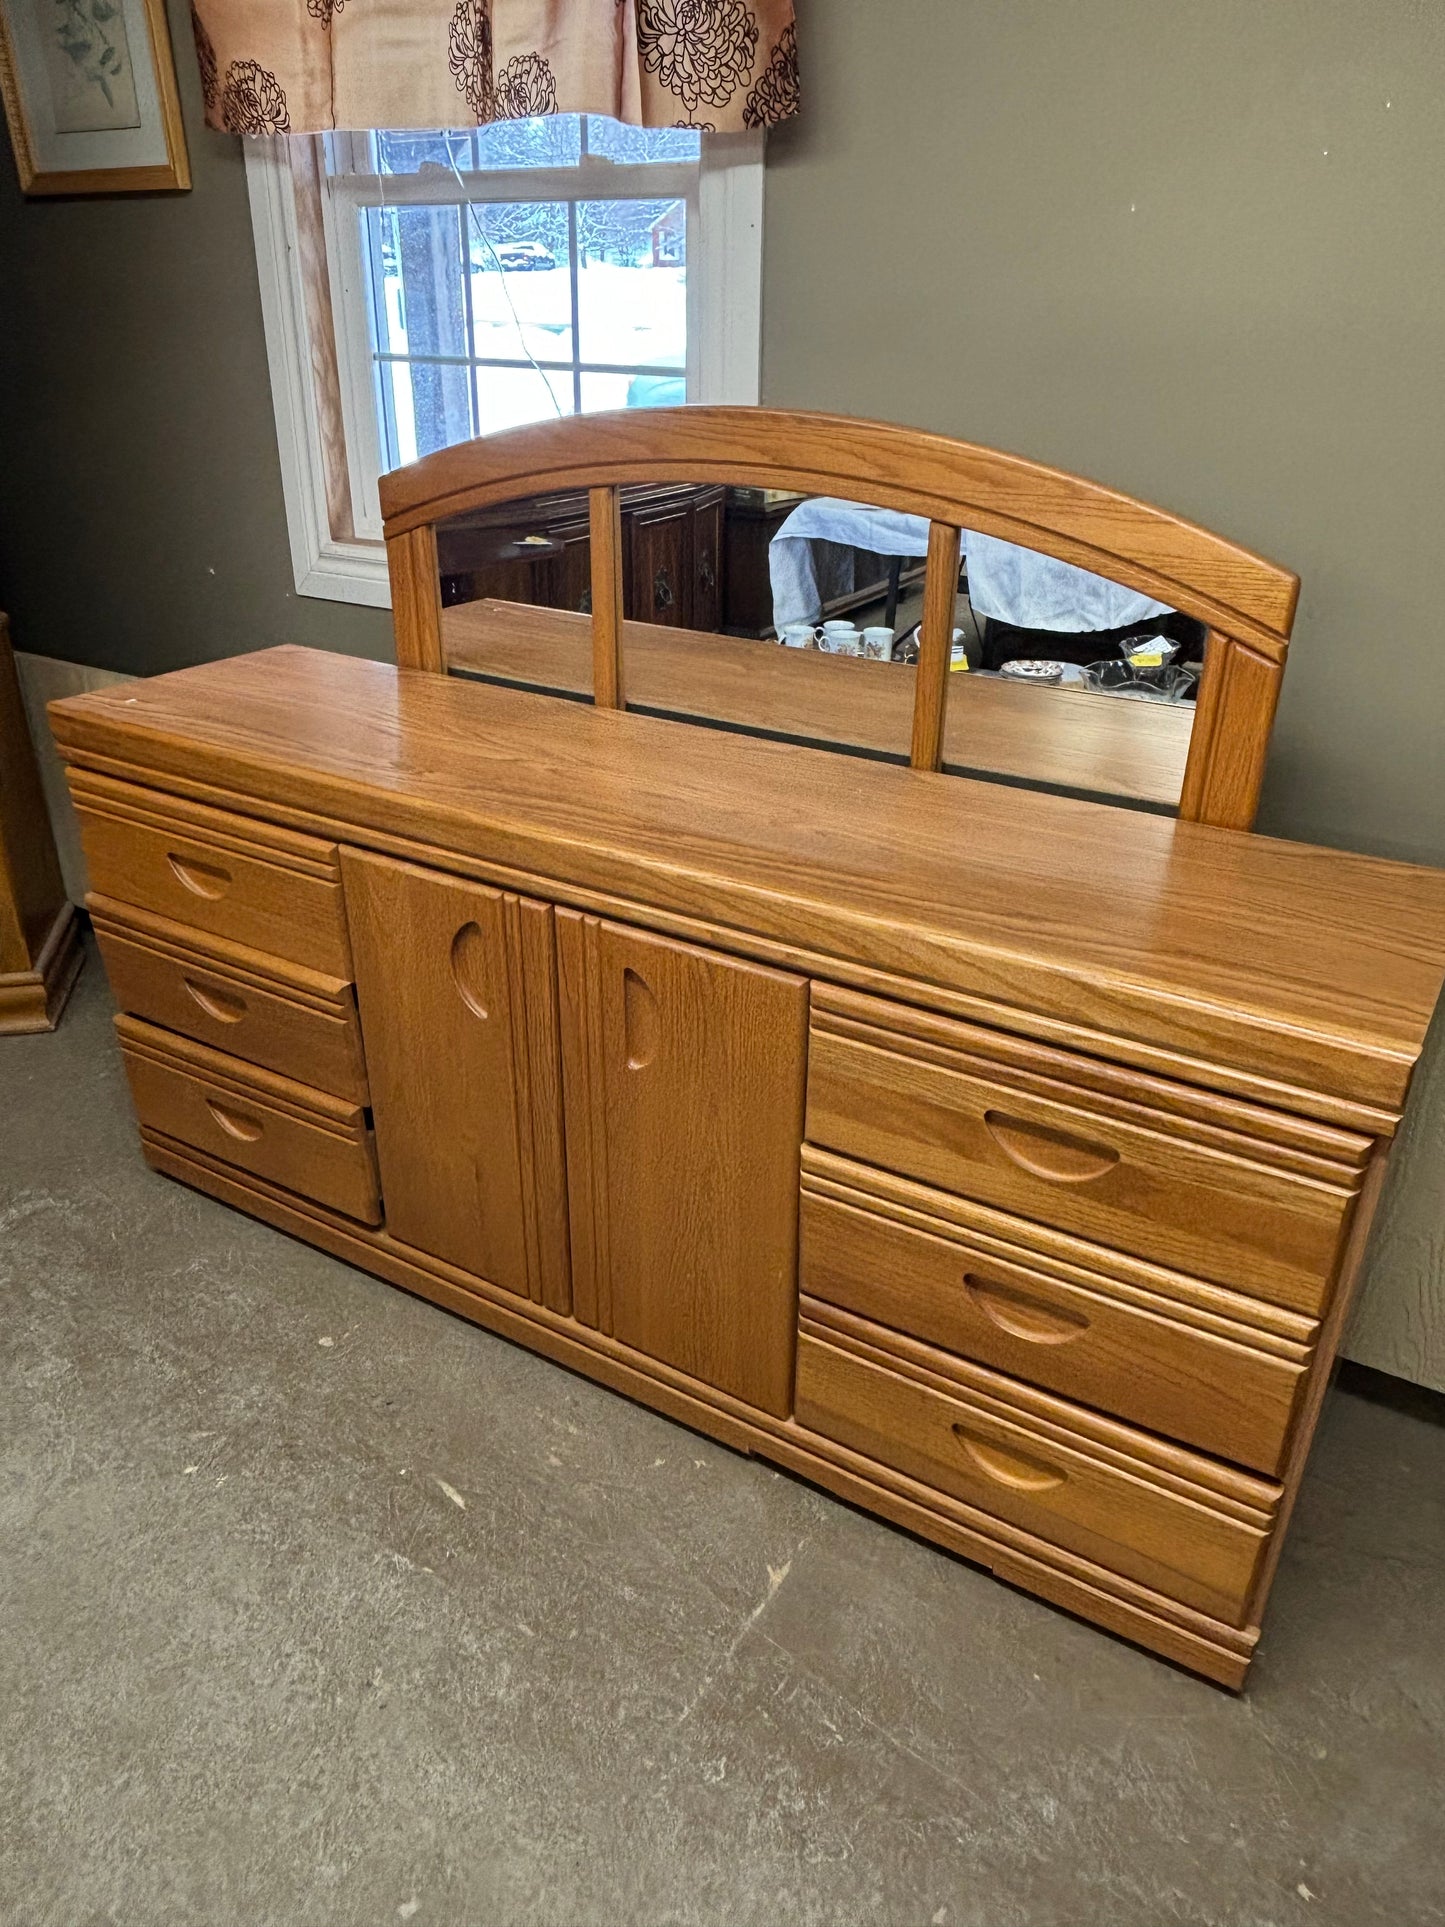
[(312, 1144), (219, 876), (305, 1030), (1214, 1383), (1119, 1516), (1146, 1190)]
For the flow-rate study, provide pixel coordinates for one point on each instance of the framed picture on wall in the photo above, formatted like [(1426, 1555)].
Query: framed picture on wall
[(90, 95)]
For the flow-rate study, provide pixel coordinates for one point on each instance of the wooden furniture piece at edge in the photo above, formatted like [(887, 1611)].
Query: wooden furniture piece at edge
[(40, 953), (1246, 603)]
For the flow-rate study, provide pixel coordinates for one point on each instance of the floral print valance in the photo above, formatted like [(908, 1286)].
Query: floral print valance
[(308, 66)]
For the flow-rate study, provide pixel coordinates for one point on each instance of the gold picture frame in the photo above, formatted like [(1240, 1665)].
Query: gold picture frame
[(90, 96)]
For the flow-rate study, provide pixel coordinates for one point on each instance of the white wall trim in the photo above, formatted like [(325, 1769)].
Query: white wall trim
[(724, 325), (730, 315), (322, 566)]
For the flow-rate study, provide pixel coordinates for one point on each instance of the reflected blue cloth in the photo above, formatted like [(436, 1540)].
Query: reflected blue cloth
[(810, 560)]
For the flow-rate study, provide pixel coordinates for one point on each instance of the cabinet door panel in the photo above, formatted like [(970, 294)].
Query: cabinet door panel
[(571, 580), (684, 1089), (707, 551), (457, 990), (660, 548)]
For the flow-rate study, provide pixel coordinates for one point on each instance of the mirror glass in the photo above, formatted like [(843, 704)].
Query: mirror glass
[(700, 612), (797, 617), (499, 563)]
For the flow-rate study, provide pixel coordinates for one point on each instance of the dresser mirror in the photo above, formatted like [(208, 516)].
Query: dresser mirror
[(988, 617), (702, 621), (799, 617)]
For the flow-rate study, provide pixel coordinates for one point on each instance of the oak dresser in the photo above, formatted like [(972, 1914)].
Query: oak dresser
[(998, 1160)]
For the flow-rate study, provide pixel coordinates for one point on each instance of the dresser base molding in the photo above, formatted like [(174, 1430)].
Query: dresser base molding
[(32, 1000), (1219, 1652)]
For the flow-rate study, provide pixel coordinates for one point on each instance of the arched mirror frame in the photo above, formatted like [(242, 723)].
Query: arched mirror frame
[(1246, 603)]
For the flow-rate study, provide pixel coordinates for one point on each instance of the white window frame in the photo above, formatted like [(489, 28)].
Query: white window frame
[(724, 316)]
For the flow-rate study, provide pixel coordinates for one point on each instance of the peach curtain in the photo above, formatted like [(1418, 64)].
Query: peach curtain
[(306, 66)]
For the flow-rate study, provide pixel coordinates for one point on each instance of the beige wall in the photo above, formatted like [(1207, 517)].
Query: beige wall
[(1194, 250)]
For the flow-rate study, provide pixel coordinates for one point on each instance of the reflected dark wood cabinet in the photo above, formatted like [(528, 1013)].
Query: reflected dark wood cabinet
[(674, 558), (692, 558)]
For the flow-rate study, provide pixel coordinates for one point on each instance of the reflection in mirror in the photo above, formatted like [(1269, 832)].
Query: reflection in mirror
[(1049, 651), (700, 636), (535, 553), (1058, 678)]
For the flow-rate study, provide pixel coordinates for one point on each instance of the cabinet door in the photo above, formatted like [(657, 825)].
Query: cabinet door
[(683, 1081), (707, 543), (456, 985), (660, 550), (572, 571)]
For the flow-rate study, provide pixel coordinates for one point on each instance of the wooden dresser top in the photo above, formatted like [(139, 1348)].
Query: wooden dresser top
[(1293, 972)]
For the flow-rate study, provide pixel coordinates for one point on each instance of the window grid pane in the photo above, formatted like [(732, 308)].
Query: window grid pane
[(506, 361), (488, 315)]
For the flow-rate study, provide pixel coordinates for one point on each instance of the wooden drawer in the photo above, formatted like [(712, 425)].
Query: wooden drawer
[(1187, 1359), (317, 1145), (1156, 1514), (275, 1014), (1191, 1181), (248, 883)]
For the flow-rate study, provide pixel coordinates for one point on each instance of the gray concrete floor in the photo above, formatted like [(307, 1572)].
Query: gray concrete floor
[(319, 1606)]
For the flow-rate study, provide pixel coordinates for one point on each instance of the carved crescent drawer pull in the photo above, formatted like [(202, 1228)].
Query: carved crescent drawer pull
[(224, 1005), (1056, 1155), (201, 879), (1007, 1468), (469, 966), (1025, 1317), (640, 1021), (234, 1123)]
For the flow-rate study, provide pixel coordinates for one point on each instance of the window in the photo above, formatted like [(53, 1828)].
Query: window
[(422, 288)]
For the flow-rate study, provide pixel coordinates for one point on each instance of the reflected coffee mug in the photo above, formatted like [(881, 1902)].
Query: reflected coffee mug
[(841, 639)]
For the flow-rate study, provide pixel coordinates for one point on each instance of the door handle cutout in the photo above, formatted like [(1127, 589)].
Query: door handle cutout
[(201, 879), (1007, 1468), (640, 1021), (224, 1005), (469, 968), (234, 1123), (1022, 1316), (1056, 1155)]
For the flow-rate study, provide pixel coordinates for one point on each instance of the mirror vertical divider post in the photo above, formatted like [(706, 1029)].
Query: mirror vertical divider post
[(416, 599), (935, 639), (1233, 719), (605, 523)]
